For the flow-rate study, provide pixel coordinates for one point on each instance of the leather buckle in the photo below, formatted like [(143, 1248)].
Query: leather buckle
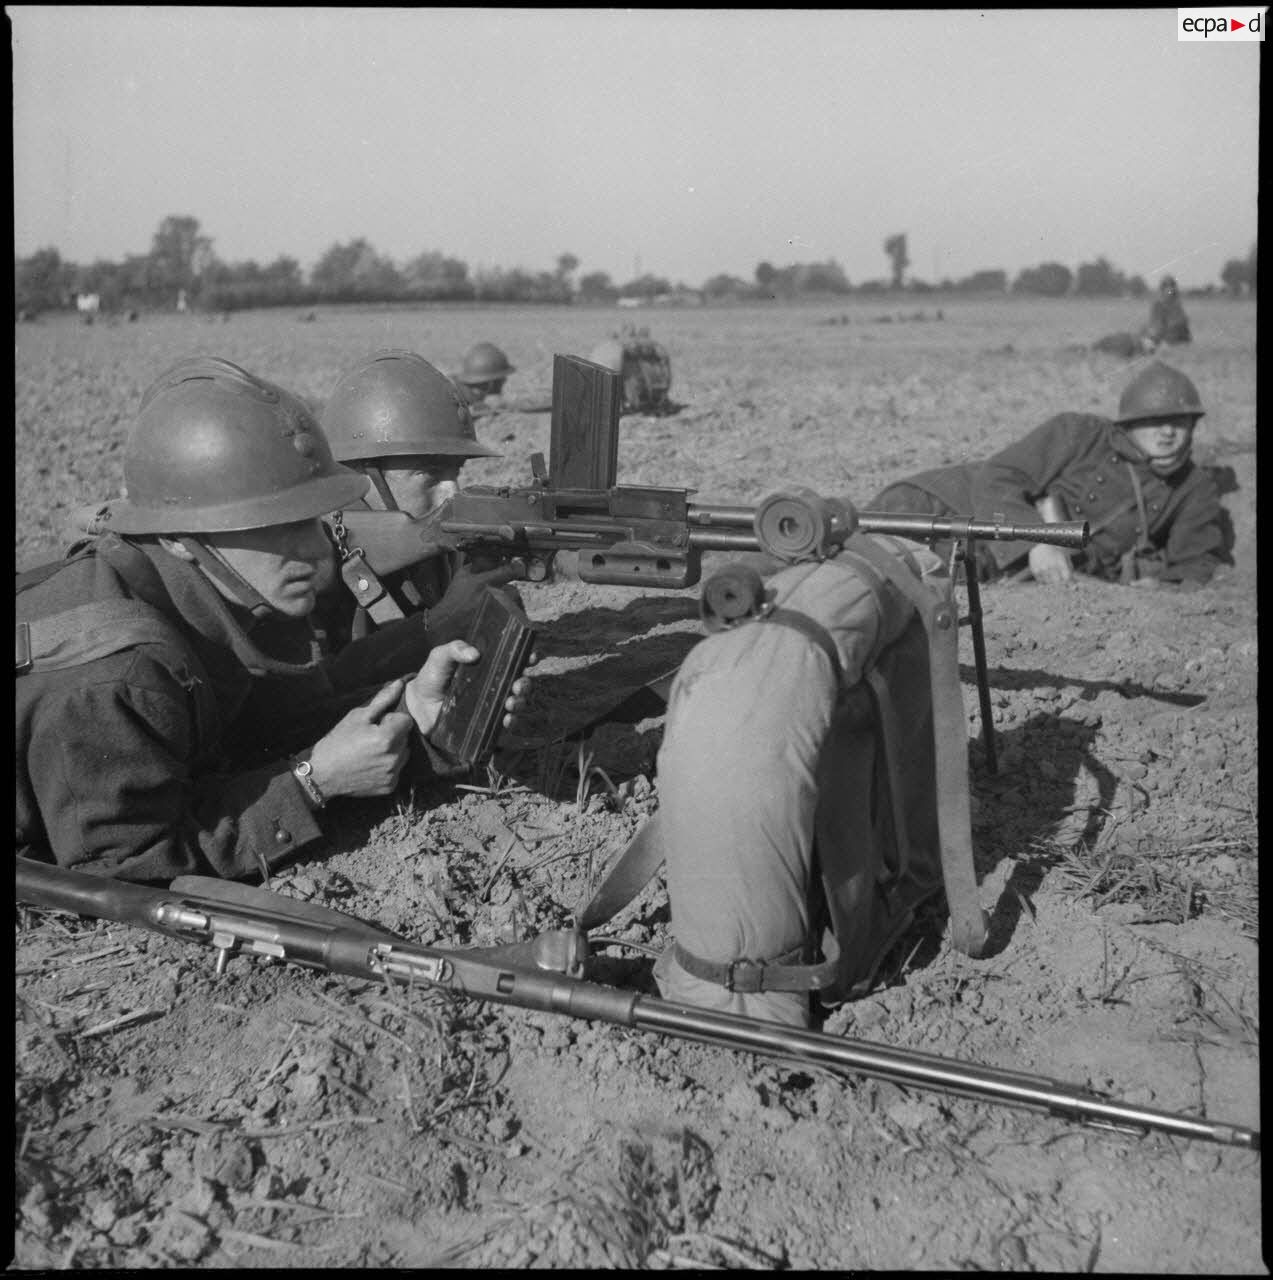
[(744, 976)]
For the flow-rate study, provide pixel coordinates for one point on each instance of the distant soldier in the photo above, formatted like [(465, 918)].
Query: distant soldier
[(172, 714), (1167, 320), (644, 366), (88, 305), (484, 371), (1167, 324), (403, 424), (482, 377), (1155, 516)]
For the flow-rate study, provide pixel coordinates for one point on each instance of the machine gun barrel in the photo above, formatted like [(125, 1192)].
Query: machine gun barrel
[(1071, 533), (707, 520), (234, 917), (702, 515)]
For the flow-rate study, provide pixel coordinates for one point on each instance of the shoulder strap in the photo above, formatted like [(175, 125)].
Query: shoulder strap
[(627, 876), (1143, 543), (969, 927), (88, 632), (362, 580)]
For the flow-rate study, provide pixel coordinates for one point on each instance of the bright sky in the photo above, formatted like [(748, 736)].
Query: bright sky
[(679, 142)]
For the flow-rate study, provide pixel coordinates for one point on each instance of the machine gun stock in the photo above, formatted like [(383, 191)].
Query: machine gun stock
[(539, 975)]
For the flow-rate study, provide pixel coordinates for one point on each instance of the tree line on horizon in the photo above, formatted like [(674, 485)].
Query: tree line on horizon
[(182, 270)]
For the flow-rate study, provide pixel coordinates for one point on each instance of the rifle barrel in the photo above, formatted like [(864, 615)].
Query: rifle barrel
[(237, 917), (913, 1068)]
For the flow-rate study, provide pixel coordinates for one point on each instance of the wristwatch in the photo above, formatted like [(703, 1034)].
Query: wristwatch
[(303, 772)]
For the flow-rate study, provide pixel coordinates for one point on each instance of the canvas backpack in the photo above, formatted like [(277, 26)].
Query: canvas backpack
[(813, 789)]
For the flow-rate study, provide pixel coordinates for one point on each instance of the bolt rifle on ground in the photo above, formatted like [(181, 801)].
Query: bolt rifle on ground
[(540, 975)]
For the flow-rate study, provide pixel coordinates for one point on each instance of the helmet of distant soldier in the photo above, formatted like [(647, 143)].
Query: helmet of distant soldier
[(609, 354), (215, 449), (1159, 391), (484, 362), (1167, 285), (395, 403)]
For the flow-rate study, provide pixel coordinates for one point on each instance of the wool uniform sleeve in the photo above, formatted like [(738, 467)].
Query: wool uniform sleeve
[(117, 773)]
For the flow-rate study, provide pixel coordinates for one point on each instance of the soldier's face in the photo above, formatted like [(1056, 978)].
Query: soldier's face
[(1165, 442), (285, 563), (421, 482)]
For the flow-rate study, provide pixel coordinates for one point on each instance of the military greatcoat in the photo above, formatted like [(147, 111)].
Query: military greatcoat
[(168, 757)]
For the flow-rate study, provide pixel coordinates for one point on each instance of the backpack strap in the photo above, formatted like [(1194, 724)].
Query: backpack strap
[(969, 927), (88, 632), (788, 972), (890, 733), (631, 871)]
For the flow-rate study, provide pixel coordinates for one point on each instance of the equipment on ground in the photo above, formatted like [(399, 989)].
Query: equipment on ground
[(545, 974)]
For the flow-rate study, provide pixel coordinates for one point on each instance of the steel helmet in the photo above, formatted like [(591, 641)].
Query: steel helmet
[(1159, 391), (395, 403), (484, 362), (609, 354), (215, 449), (1168, 284)]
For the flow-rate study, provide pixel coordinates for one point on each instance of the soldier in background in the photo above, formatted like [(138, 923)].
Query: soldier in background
[(173, 715), (403, 424), (481, 379), (1155, 516), (1167, 320), (644, 366), (1167, 324)]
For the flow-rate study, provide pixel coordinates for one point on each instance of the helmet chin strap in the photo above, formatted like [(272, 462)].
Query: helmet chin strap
[(381, 486), (224, 576)]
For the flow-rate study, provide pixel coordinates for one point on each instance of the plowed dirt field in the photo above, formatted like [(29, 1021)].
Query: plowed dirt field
[(275, 1117)]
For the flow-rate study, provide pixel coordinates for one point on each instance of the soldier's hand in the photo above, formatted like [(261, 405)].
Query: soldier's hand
[(1050, 564), (452, 616), (427, 692), (364, 753)]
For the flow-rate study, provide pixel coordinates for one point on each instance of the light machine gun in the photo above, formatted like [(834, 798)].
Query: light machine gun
[(546, 975), (638, 535)]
